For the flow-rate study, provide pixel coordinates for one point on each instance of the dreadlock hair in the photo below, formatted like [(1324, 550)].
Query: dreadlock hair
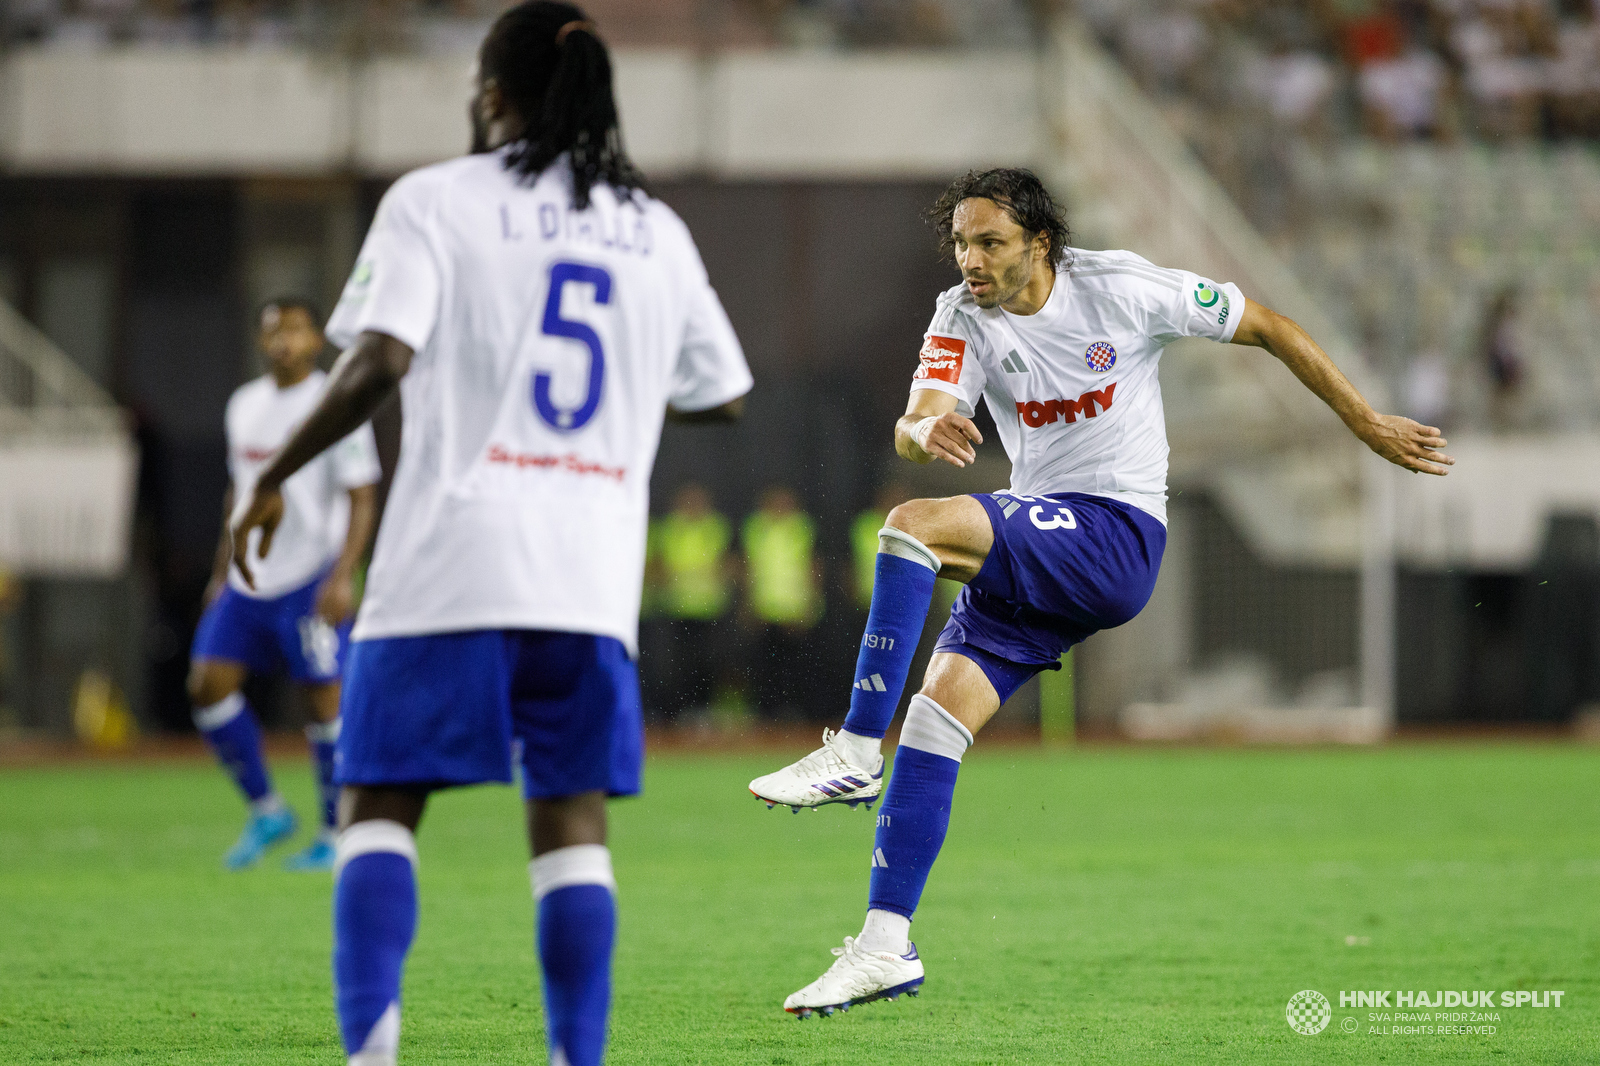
[(555, 71), (1019, 193)]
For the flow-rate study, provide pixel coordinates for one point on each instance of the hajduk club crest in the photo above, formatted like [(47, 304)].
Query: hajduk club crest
[(1100, 357)]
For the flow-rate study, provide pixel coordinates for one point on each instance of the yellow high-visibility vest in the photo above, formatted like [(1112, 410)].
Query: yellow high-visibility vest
[(778, 550), (693, 553)]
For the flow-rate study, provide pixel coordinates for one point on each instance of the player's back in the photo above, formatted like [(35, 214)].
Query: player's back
[(548, 344)]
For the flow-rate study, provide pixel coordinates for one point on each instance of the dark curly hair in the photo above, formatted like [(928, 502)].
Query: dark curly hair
[(1020, 193), (556, 72)]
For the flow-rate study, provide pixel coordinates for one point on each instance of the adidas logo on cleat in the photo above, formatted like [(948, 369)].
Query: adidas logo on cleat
[(840, 786), (872, 684)]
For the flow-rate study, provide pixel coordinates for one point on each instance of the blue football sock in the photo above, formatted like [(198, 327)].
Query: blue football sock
[(916, 806), (323, 738), (902, 589), (577, 924), (374, 920), (230, 727)]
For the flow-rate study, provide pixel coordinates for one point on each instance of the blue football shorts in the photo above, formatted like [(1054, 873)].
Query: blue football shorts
[(271, 635), (1063, 566), (446, 709)]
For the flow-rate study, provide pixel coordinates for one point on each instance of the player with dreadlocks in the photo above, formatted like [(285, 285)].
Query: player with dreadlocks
[(540, 315)]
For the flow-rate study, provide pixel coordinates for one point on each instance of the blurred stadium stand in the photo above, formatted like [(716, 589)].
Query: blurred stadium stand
[(168, 166)]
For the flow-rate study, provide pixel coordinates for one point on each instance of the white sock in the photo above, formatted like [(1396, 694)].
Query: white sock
[(383, 1042), (885, 931), (863, 751), (271, 803), (576, 864), (929, 727)]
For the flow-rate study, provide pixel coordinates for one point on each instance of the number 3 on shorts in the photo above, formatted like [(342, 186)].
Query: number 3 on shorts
[(561, 275), (1062, 519)]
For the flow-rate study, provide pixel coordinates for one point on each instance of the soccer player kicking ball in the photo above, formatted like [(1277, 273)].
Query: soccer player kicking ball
[(1063, 346), (296, 614), (539, 314)]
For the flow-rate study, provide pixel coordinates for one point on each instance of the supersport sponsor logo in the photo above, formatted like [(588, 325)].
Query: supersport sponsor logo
[(571, 463), (941, 358), (1036, 413)]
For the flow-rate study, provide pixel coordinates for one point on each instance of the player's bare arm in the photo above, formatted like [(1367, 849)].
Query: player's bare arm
[(224, 553), (722, 414), (931, 429), (336, 597), (1396, 438), (364, 377)]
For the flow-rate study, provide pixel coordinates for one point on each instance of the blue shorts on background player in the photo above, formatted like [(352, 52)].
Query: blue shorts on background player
[(240, 635), (296, 619)]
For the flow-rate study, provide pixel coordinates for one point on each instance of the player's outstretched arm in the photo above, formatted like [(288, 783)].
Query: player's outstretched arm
[(363, 378), (930, 429), (1398, 439)]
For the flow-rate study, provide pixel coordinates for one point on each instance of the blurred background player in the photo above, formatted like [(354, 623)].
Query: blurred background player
[(1063, 345), (539, 314), (296, 615)]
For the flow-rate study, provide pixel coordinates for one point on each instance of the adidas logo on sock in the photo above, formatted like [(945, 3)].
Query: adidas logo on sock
[(878, 859), (872, 684)]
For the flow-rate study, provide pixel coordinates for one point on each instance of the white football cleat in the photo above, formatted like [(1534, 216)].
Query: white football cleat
[(858, 977), (825, 776)]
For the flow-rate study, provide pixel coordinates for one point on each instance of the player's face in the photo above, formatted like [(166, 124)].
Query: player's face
[(996, 255), (290, 340)]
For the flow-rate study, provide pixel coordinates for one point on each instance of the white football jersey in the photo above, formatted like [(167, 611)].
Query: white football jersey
[(1073, 387), (316, 500), (549, 343)]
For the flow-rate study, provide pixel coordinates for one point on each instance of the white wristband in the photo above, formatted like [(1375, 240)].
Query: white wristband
[(919, 432)]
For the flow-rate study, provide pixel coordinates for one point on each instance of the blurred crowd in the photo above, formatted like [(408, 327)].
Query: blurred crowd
[(456, 25), (1427, 167), (1395, 69), (732, 611)]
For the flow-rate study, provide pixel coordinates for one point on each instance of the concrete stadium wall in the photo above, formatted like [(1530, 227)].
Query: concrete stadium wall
[(232, 111)]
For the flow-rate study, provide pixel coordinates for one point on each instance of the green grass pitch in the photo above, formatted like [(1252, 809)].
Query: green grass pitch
[(1101, 905)]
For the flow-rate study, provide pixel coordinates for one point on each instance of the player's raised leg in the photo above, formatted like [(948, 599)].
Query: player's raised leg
[(957, 698), (322, 736), (223, 716), (575, 893), (923, 540), (374, 917)]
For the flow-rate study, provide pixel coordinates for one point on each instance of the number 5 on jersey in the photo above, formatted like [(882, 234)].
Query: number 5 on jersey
[(562, 274)]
